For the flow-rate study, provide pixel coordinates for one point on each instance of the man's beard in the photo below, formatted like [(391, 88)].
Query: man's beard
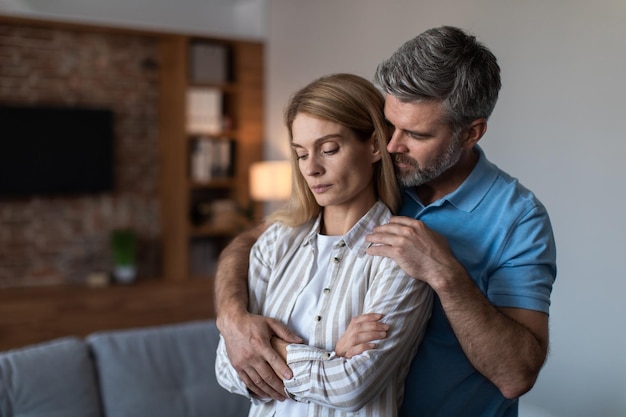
[(416, 175)]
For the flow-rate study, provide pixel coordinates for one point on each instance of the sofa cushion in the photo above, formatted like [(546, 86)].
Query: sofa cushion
[(51, 379), (163, 371)]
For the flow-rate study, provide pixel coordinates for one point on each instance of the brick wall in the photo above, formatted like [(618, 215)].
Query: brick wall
[(62, 239)]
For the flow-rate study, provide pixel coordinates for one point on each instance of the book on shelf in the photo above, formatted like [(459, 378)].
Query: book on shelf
[(212, 158), (209, 62), (204, 110)]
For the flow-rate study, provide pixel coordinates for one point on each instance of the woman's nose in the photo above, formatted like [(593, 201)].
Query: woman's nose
[(312, 166)]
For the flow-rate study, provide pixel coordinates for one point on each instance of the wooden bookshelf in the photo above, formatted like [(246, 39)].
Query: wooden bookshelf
[(35, 314), (243, 108)]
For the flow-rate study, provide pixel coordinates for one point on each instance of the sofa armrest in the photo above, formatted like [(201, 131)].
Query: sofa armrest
[(51, 379), (162, 371)]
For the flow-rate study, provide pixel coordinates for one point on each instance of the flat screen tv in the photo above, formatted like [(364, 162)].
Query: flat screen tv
[(55, 151)]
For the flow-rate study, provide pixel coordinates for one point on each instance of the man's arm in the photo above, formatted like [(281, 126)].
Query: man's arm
[(231, 278), (507, 346), (247, 336)]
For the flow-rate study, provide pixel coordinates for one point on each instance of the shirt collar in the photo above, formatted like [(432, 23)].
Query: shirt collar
[(473, 189), (353, 239)]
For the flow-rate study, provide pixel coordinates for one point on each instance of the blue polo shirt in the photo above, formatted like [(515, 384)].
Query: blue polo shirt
[(501, 233)]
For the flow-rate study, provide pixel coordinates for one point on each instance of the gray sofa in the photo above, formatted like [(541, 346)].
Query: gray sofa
[(162, 371)]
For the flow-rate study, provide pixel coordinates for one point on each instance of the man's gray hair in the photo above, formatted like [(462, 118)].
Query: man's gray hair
[(445, 65)]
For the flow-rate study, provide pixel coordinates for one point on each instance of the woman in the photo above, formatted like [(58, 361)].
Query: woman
[(309, 269)]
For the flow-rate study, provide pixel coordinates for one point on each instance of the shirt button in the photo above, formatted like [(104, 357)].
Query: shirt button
[(326, 355), (335, 260), (326, 290), (318, 318), (342, 243)]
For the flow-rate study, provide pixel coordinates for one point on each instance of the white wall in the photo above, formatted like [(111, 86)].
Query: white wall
[(243, 19), (558, 126)]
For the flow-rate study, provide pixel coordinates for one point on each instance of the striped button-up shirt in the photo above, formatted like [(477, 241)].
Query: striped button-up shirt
[(369, 384)]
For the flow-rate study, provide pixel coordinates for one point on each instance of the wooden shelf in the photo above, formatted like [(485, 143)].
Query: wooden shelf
[(243, 107), (216, 231), (225, 87), (215, 183)]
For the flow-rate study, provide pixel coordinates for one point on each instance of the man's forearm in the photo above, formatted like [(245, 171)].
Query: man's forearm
[(231, 279), (507, 346)]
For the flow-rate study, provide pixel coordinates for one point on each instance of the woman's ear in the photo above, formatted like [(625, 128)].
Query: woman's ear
[(376, 154)]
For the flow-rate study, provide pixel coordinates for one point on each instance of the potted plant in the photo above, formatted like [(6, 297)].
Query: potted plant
[(123, 245)]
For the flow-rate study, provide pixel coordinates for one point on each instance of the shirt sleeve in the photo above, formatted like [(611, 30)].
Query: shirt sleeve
[(527, 267), (349, 384)]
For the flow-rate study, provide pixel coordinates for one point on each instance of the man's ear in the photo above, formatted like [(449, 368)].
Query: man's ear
[(474, 132)]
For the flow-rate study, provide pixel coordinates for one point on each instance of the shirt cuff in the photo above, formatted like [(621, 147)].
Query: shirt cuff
[(300, 359)]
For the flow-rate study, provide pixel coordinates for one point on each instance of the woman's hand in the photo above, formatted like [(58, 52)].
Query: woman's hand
[(280, 346), (361, 334)]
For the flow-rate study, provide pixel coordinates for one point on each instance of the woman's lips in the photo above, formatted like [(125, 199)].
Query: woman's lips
[(318, 189)]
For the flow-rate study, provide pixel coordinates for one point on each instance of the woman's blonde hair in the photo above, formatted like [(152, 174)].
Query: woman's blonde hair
[(355, 103)]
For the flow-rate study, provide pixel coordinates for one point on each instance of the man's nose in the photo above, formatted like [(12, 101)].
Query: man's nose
[(396, 144)]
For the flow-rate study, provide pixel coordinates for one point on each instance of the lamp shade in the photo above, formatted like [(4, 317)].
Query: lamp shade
[(270, 180)]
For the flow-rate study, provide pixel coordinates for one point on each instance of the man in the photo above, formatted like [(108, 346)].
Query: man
[(480, 239)]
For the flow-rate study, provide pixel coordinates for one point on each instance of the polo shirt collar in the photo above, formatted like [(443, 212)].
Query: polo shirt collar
[(475, 187)]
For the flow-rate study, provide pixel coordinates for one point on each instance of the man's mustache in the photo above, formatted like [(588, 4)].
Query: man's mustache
[(399, 158)]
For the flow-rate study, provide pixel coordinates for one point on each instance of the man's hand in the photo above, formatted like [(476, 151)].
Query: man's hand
[(259, 366), (418, 250), (360, 334), (507, 345)]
